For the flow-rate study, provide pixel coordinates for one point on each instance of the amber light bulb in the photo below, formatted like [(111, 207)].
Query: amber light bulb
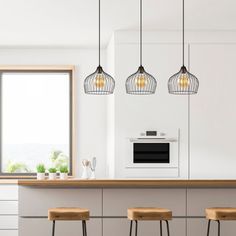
[(100, 81), (184, 81), (141, 81)]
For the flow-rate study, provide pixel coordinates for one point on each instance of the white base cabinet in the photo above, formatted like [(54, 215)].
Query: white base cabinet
[(108, 208), (198, 227), (118, 227), (9, 210), (7, 232)]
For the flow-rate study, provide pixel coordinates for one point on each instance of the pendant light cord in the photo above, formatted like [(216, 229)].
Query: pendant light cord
[(183, 30), (141, 36), (99, 29)]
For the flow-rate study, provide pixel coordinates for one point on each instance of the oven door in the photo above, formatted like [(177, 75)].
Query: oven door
[(153, 153)]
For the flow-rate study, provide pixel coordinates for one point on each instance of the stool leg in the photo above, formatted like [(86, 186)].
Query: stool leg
[(160, 227), (136, 228), (131, 225), (84, 228), (53, 228), (218, 227), (208, 227), (167, 227)]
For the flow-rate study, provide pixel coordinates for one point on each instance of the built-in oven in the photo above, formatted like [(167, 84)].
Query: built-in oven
[(153, 152)]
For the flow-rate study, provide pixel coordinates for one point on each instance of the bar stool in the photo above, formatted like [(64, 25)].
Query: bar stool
[(149, 213), (64, 213), (219, 213)]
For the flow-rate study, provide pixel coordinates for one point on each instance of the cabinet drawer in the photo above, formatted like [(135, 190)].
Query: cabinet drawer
[(198, 227), (39, 227), (37, 201), (116, 201), (8, 192), (199, 199), (118, 227), (9, 232), (8, 207), (8, 222)]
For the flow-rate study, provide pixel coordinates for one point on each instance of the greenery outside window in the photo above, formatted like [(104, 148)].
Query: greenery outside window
[(36, 119)]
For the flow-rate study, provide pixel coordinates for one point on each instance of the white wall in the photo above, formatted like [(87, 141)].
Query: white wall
[(213, 112), (136, 114), (207, 123), (91, 110), (105, 122), (110, 158)]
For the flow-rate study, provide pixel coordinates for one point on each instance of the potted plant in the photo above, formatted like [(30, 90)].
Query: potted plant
[(64, 172), (40, 171), (52, 173)]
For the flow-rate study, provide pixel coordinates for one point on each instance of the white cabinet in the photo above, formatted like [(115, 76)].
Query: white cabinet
[(213, 112), (200, 199), (8, 232), (36, 201), (41, 227), (117, 227), (8, 207), (8, 210), (198, 227), (8, 222), (116, 201), (8, 192)]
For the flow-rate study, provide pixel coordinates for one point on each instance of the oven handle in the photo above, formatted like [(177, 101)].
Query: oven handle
[(154, 140)]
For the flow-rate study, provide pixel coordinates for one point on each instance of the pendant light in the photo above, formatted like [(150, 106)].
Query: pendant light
[(141, 82), (183, 82), (99, 82)]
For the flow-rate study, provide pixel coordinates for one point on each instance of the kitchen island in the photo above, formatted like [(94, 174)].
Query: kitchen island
[(108, 201)]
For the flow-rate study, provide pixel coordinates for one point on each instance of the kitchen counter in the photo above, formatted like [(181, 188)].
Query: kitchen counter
[(8, 181), (128, 183), (108, 200)]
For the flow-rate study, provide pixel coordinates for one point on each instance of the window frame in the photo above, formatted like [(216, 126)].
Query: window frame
[(72, 137)]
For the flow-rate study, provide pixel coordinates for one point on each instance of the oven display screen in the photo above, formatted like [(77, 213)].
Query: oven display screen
[(151, 153)]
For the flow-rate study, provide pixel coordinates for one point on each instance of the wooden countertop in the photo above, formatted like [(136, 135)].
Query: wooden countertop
[(120, 183), (8, 181)]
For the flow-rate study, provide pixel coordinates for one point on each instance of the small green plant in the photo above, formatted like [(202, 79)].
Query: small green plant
[(52, 170), (41, 168), (64, 169)]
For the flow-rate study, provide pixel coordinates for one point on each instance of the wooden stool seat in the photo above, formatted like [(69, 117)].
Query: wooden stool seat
[(65, 213), (149, 213), (221, 213)]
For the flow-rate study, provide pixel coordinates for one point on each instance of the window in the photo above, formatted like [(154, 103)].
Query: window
[(36, 119)]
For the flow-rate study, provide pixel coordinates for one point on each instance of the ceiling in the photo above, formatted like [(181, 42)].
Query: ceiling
[(74, 22)]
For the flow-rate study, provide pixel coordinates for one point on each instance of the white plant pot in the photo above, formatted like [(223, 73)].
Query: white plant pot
[(40, 176), (63, 175), (52, 176)]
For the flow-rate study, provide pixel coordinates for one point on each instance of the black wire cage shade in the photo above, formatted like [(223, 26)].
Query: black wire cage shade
[(141, 82), (183, 82), (99, 82)]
